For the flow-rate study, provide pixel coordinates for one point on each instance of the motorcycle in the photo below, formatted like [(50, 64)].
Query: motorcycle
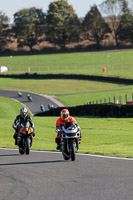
[(42, 107), (24, 139), (70, 139), (19, 94), (29, 97), (50, 106)]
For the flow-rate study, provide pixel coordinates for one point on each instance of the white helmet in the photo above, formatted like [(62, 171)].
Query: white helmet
[(23, 112)]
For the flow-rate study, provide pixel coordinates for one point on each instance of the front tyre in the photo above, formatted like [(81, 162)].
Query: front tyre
[(27, 146), (72, 151), (65, 157), (21, 151), (65, 152)]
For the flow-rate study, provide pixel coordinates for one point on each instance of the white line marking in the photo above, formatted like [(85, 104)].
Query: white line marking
[(80, 154)]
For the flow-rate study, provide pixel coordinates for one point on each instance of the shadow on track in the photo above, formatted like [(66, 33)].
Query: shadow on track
[(31, 163), (9, 155)]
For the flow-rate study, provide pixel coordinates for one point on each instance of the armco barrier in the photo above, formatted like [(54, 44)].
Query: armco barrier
[(99, 110), (69, 76)]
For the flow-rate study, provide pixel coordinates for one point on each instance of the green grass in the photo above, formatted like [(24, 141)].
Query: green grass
[(60, 87), (71, 92), (8, 108), (104, 136), (98, 96), (107, 136), (117, 63)]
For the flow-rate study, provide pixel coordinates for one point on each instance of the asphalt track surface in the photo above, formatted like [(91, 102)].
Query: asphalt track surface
[(37, 100), (46, 176)]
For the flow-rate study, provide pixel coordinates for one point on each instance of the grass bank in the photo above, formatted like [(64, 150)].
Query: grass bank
[(118, 63), (71, 92), (104, 136)]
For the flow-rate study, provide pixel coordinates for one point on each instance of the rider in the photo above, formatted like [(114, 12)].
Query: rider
[(22, 117), (42, 107), (65, 117), (29, 97)]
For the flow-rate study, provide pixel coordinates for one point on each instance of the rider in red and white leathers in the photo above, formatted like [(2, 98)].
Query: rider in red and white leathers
[(65, 117)]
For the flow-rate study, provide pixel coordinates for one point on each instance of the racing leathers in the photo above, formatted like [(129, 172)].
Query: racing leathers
[(59, 124), (17, 122)]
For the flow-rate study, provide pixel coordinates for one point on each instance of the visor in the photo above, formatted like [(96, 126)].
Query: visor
[(23, 114), (64, 116)]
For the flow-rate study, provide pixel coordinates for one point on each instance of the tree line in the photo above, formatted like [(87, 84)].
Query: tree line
[(61, 26)]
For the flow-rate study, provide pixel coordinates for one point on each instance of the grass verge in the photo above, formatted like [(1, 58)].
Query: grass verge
[(71, 92), (104, 136), (118, 63)]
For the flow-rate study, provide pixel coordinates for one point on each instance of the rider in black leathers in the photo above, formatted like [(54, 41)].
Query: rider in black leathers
[(23, 117)]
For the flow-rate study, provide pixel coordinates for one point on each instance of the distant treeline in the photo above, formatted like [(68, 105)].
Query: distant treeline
[(60, 27)]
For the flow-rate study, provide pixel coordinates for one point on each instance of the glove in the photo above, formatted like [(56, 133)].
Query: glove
[(33, 134)]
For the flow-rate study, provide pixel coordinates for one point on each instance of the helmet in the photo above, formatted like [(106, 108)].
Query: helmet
[(23, 112), (64, 114)]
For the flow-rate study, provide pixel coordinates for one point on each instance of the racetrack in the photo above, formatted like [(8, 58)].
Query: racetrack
[(45, 175), (33, 106)]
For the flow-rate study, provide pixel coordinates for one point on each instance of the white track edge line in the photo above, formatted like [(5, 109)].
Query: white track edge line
[(81, 154)]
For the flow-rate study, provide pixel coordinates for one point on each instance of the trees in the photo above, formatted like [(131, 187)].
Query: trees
[(3, 30), (60, 25), (63, 25), (125, 29), (29, 27), (95, 27), (113, 10)]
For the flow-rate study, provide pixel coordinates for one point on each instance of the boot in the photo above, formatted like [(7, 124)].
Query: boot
[(34, 134), (15, 141), (58, 146)]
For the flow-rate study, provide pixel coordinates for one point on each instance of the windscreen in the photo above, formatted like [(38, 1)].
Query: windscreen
[(69, 125)]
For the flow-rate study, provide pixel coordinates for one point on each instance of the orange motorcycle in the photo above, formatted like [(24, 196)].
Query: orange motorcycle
[(25, 137)]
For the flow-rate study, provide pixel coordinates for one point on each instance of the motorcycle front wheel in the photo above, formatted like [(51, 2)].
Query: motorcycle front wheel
[(72, 151), (21, 151), (65, 152), (65, 157), (27, 145)]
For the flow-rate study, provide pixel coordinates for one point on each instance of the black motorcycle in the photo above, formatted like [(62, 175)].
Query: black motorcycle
[(24, 139), (70, 139), (42, 107)]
